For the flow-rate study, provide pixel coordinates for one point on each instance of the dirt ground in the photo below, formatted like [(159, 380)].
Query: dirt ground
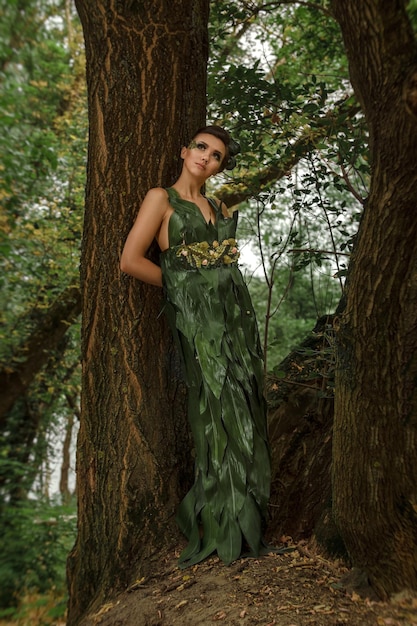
[(298, 588)]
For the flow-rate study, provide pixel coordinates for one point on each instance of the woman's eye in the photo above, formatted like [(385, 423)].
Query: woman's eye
[(199, 145)]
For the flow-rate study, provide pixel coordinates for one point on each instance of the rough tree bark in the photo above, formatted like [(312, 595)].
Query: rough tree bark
[(146, 78), (374, 453)]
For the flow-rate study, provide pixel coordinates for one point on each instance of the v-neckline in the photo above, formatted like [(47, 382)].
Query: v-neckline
[(207, 223)]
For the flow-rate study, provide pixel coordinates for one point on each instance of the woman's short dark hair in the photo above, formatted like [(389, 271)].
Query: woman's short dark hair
[(232, 147)]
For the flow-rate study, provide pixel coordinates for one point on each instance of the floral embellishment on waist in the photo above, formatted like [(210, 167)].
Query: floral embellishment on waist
[(204, 254)]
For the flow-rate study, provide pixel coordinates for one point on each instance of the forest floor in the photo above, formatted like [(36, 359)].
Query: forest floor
[(298, 588)]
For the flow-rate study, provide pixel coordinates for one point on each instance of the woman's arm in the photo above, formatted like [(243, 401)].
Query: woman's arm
[(151, 215), (223, 208)]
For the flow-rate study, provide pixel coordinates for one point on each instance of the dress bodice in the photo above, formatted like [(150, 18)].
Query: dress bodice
[(188, 225)]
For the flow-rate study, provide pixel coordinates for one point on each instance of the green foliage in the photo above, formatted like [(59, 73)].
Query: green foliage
[(36, 537), (42, 176), (278, 80), (292, 316), (41, 146), (43, 123), (31, 441)]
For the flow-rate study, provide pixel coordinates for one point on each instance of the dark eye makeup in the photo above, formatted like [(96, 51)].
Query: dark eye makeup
[(200, 145)]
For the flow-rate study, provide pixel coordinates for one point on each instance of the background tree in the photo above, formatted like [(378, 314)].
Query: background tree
[(146, 76)]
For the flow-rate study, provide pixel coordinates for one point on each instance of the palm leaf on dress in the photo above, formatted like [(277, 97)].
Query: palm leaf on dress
[(250, 523), (232, 481), (212, 365), (215, 434), (229, 544)]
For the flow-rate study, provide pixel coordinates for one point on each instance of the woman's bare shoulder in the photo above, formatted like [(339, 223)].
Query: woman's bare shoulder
[(156, 200), (157, 194)]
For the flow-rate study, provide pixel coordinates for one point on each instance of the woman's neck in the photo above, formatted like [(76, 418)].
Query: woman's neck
[(189, 187)]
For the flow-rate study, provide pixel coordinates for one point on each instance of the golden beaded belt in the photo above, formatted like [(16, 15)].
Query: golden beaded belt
[(205, 254)]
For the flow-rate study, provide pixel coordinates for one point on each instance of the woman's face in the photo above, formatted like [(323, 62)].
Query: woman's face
[(204, 155)]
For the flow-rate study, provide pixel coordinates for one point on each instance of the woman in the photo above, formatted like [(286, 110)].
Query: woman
[(213, 321)]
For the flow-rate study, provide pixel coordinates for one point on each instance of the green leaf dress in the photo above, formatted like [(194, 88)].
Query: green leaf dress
[(211, 315)]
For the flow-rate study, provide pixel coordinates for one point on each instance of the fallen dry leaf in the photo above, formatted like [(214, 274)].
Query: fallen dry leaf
[(181, 604), (219, 616)]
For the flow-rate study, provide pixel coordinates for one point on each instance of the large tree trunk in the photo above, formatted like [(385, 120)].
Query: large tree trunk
[(146, 68), (375, 443)]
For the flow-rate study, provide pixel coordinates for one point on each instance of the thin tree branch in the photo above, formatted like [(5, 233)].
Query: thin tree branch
[(314, 251)]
